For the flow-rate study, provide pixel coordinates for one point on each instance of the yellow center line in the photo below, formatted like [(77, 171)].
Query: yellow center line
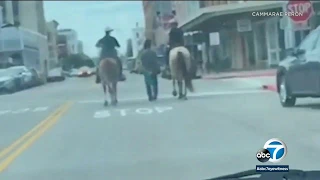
[(42, 129), (28, 134)]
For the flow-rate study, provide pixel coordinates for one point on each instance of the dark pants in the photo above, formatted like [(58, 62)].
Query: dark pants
[(151, 81)]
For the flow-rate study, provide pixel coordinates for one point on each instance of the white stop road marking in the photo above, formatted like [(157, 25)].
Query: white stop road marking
[(125, 112), (24, 110)]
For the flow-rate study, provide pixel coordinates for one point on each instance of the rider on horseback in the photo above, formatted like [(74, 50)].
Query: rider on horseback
[(175, 38), (108, 44)]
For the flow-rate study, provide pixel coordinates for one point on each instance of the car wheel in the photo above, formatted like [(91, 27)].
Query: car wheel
[(286, 99)]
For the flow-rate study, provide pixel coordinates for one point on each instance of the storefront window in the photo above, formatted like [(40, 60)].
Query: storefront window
[(262, 53)]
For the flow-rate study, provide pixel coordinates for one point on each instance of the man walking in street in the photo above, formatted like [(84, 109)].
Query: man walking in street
[(150, 69)]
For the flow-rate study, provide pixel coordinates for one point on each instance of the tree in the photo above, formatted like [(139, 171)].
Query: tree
[(76, 61)]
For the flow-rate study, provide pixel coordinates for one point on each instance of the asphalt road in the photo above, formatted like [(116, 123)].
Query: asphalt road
[(217, 131)]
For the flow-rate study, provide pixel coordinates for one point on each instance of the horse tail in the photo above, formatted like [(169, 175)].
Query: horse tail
[(182, 64)]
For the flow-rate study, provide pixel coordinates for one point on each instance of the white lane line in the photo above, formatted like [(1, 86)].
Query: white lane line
[(169, 96)]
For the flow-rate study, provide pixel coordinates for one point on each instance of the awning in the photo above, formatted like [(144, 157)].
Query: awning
[(207, 13)]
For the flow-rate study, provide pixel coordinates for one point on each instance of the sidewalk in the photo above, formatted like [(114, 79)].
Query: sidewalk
[(240, 74)]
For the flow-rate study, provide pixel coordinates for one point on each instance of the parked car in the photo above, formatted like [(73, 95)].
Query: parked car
[(28, 77), (298, 75), (85, 71), (56, 74), (74, 72), (8, 83)]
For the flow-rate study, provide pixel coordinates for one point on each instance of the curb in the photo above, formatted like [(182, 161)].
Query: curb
[(240, 76), (270, 88)]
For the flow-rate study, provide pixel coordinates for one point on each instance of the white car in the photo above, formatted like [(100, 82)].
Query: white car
[(55, 74), (26, 76), (85, 71)]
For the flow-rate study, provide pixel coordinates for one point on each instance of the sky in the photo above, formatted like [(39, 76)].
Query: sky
[(90, 18)]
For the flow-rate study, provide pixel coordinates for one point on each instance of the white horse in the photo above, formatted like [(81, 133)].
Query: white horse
[(181, 69), (109, 72)]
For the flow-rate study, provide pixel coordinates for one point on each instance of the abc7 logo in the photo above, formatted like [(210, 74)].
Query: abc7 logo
[(263, 155), (273, 151)]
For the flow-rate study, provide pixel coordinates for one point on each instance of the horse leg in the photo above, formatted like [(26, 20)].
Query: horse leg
[(180, 89), (115, 94), (185, 91), (174, 92), (105, 94), (111, 92)]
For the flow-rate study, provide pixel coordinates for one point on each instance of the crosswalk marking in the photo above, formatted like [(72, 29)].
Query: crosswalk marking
[(168, 96)]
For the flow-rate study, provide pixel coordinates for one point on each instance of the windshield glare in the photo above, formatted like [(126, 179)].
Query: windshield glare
[(4, 73), (16, 70)]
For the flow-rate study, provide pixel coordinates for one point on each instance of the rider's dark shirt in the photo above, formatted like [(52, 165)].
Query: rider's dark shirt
[(108, 45), (176, 37)]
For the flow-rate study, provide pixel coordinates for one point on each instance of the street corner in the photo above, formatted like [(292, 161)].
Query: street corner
[(241, 74), (235, 84), (270, 87), (14, 123)]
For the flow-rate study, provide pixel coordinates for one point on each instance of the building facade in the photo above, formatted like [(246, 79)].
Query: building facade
[(80, 47), (72, 40), (6, 12), (246, 41), (157, 16), (137, 40), (52, 35), (63, 50), (24, 36)]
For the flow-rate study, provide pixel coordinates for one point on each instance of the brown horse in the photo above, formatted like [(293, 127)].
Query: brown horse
[(181, 71), (109, 72)]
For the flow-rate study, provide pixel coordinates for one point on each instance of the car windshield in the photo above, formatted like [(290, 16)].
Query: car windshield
[(167, 90), (4, 73), (16, 70)]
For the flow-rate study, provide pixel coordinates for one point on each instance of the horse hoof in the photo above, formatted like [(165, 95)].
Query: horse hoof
[(185, 98), (106, 103), (174, 93), (180, 97)]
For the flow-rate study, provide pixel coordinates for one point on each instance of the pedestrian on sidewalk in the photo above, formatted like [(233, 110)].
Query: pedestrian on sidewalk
[(150, 69)]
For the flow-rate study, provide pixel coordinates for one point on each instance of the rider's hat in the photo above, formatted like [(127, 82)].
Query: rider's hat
[(108, 29)]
